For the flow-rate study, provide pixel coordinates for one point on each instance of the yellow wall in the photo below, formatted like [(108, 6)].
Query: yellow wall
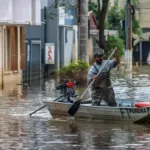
[(90, 50), (144, 18), (10, 79)]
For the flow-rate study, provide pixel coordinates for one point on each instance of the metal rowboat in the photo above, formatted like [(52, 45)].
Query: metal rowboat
[(102, 113)]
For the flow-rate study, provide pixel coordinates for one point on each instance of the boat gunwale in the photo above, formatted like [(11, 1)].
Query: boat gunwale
[(106, 106)]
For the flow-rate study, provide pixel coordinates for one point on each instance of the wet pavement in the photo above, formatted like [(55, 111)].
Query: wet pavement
[(19, 131)]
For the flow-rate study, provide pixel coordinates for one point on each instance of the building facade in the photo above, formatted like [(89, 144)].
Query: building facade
[(14, 15), (57, 29)]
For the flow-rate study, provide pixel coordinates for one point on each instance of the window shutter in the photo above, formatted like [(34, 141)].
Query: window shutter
[(12, 48), (22, 49)]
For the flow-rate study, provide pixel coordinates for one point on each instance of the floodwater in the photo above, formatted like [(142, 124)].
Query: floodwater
[(19, 131)]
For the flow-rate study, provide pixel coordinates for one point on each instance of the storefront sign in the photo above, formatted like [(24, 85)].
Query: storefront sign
[(49, 53)]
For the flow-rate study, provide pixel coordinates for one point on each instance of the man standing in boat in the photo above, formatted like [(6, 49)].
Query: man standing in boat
[(101, 88)]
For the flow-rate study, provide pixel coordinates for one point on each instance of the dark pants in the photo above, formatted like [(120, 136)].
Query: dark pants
[(103, 93)]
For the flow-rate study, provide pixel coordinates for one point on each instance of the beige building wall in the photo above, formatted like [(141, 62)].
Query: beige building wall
[(144, 12), (90, 51), (144, 17)]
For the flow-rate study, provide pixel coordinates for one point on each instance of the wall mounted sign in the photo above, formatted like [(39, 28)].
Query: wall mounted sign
[(49, 53)]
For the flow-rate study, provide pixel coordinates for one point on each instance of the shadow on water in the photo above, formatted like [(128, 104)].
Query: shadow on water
[(19, 131)]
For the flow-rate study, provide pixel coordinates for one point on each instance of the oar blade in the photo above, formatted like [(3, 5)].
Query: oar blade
[(74, 108)]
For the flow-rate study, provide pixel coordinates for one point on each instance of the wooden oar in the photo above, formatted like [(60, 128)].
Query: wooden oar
[(74, 108), (45, 106)]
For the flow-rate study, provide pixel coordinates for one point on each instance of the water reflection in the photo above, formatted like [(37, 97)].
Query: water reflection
[(87, 135), (37, 133), (19, 131)]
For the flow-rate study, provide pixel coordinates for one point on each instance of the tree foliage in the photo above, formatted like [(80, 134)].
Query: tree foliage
[(134, 2), (75, 71), (114, 18), (93, 7), (69, 5), (115, 15), (136, 29), (113, 42)]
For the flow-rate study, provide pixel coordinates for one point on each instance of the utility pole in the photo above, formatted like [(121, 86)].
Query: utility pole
[(2, 60), (83, 29), (128, 29)]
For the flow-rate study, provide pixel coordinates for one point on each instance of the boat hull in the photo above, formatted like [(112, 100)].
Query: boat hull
[(127, 114)]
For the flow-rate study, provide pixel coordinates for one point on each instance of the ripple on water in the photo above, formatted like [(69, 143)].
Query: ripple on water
[(20, 131)]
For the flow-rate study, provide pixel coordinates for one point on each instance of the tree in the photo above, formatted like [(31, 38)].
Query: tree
[(114, 18), (136, 29), (115, 15), (93, 7), (113, 42), (68, 4), (100, 10), (102, 16), (83, 30)]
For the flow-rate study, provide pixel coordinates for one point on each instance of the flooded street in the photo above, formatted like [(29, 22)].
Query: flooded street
[(19, 131)]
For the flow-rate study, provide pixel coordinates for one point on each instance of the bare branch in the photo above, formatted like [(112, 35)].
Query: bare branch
[(66, 3)]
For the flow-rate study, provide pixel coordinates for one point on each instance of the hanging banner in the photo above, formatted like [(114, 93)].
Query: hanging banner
[(49, 53)]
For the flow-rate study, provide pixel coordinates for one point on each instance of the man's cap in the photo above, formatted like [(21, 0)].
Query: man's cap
[(99, 53)]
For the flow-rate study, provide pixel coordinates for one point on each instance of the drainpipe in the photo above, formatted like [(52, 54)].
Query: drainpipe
[(45, 26), (57, 45), (45, 41)]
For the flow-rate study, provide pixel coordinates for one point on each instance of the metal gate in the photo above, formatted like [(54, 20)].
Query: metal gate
[(66, 45), (35, 60), (33, 65), (141, 52)]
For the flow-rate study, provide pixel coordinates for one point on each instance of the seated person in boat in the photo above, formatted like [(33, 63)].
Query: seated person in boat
[(101, 88)]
